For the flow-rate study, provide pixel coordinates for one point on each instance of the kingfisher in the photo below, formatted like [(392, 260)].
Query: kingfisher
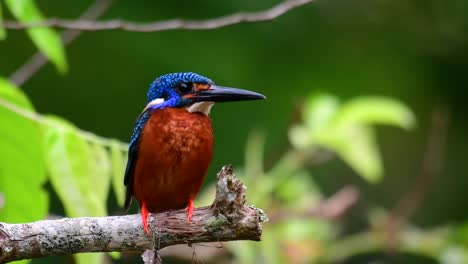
[(172, 142)]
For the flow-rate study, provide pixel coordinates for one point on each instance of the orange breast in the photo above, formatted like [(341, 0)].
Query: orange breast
[(174, 154)]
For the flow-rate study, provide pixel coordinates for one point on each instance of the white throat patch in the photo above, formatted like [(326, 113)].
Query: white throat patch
[(202, 107)]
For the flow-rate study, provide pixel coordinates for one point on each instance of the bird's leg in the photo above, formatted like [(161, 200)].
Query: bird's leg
[(144, 218), (189, 210)]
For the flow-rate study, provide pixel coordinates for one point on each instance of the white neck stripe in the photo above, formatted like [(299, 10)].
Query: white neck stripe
[(154, 102)]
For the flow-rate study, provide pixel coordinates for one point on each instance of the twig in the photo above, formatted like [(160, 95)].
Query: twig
[(38, 60), (430, 169), (229, 218), (265, 15), (331, 208), (206, 251), (41, 120), (151, 256)]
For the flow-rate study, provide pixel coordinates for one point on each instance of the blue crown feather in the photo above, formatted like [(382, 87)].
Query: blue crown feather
[(164, 86)]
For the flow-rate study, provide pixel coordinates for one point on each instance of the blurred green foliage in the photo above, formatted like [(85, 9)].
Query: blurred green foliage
[(406, 52), (2, 30), (327, 126), (346, 129), (46, 40)]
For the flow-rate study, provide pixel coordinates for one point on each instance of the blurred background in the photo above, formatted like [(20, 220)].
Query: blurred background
[(409, 53)]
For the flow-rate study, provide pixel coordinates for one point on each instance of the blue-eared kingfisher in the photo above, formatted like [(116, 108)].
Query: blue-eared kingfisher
[(172, 142)]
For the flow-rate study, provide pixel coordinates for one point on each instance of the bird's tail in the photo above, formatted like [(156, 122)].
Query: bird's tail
[(128, 198)]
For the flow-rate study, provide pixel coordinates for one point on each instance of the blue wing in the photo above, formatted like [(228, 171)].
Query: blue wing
[(133, 155)]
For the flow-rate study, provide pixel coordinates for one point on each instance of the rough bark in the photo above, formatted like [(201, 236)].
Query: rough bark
[(229, 218)]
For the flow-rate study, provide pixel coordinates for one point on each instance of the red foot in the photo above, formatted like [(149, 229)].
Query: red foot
[(144, 218), (189, 210)]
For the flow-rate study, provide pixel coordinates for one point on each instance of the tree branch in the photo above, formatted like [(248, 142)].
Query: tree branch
[(265, 15), (38, 60), (229, 218), (431, 167), (331, 208)]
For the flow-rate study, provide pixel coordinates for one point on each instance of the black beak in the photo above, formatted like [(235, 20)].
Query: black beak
[(225, 94)]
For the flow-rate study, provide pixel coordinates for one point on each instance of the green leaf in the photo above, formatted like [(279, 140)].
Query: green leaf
[(102, 173), (319, 111), (118, 161), (24, 261), (454, 254), (352, 137), (375, 110), (347, 131), (72, 169), (46, 39), (2, 29), (22, 170), (357, 146), (115, 255), (300, 136), (89, 258), (79, 173)]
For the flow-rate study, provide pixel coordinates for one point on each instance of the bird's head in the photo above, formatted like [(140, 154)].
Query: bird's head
[(193, 92)]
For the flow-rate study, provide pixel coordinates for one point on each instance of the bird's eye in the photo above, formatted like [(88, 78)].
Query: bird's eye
[(185, 87)]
